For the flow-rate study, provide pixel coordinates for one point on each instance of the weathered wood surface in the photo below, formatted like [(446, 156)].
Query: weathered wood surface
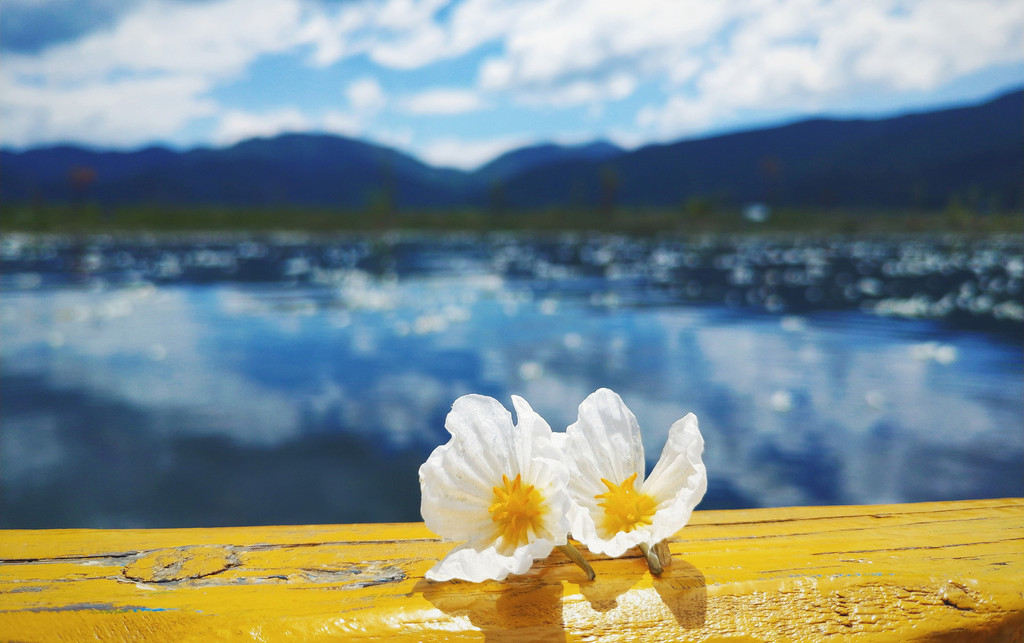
[(935, 571)]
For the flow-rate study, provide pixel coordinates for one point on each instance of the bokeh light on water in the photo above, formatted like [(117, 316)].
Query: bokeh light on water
[(231, 380)]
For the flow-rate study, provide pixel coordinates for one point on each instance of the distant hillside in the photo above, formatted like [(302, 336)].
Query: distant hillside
[(524, 159), (292, 169), (914, 161), (974, 154)]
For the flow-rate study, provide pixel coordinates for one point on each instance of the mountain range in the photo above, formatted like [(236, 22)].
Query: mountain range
[(973, 154)]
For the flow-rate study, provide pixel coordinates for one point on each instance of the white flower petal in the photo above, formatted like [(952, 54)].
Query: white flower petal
[(458, 481), (453, 505), (551, 477), (559, 440), (540, 461), (467, 563), (604, 442), (533, 437), (679, 480), (584, 529), (481, 425)]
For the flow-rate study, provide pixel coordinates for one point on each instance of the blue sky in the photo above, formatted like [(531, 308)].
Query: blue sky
[(457, 83)]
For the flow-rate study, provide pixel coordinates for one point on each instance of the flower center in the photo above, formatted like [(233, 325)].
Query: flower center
[(516, 511), (625, 508)]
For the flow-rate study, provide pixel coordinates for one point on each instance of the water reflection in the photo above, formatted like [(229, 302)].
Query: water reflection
[(242, 381)]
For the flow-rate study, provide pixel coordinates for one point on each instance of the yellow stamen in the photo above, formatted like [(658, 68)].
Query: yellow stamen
[(517, 511), (625, 508)]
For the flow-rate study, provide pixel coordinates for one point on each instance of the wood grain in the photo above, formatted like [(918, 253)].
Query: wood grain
[(935, 571)]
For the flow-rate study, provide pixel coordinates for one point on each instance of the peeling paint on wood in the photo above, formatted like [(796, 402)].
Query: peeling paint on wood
[(180, 563), (933, 571)]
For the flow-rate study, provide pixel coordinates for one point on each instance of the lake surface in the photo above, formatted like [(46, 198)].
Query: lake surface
[(203, 381)]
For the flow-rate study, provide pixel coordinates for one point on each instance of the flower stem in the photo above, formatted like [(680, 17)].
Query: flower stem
[(576, 557), (663, 552), (652, 558)]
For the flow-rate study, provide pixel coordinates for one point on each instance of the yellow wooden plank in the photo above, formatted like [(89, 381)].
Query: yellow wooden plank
[(932, 571)]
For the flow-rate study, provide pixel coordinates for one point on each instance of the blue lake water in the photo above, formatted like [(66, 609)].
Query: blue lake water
[(202, 381)]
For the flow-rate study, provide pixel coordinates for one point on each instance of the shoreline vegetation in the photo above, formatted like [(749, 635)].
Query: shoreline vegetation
[(692, 218)]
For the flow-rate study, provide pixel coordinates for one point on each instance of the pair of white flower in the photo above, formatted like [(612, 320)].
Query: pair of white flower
[(515, 492)]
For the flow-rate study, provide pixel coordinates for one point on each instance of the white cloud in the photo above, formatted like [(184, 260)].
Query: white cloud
[(585, 43), (582, 92), (334, 37), (444, 102), (401, 34), (805, 57), (679, 115), (466, 155), (344, 123), (626, 139), (716, 58), (400, 138), (397, 15), (156, 69), (123, 112), (933, 42), (237, 125), (145, 78), (150, 74), (366, 95), (213, 40), (416, 50), (470, 24)]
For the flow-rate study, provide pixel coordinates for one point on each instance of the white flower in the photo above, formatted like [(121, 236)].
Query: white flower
[(500, 488), (617, 508)]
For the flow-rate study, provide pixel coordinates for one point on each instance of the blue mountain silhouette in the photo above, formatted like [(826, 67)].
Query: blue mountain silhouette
[(922, 160)]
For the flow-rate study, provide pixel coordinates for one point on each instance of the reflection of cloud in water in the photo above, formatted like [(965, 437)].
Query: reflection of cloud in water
[(113, 355), (31, 447), (402, 405), (839, 439), (876, 447), (97, 462), (828, 408)]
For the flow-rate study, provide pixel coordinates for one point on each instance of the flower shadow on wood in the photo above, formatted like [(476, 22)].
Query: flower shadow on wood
[(684, 591), (681, 589), (533, 607), (523, 609)]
